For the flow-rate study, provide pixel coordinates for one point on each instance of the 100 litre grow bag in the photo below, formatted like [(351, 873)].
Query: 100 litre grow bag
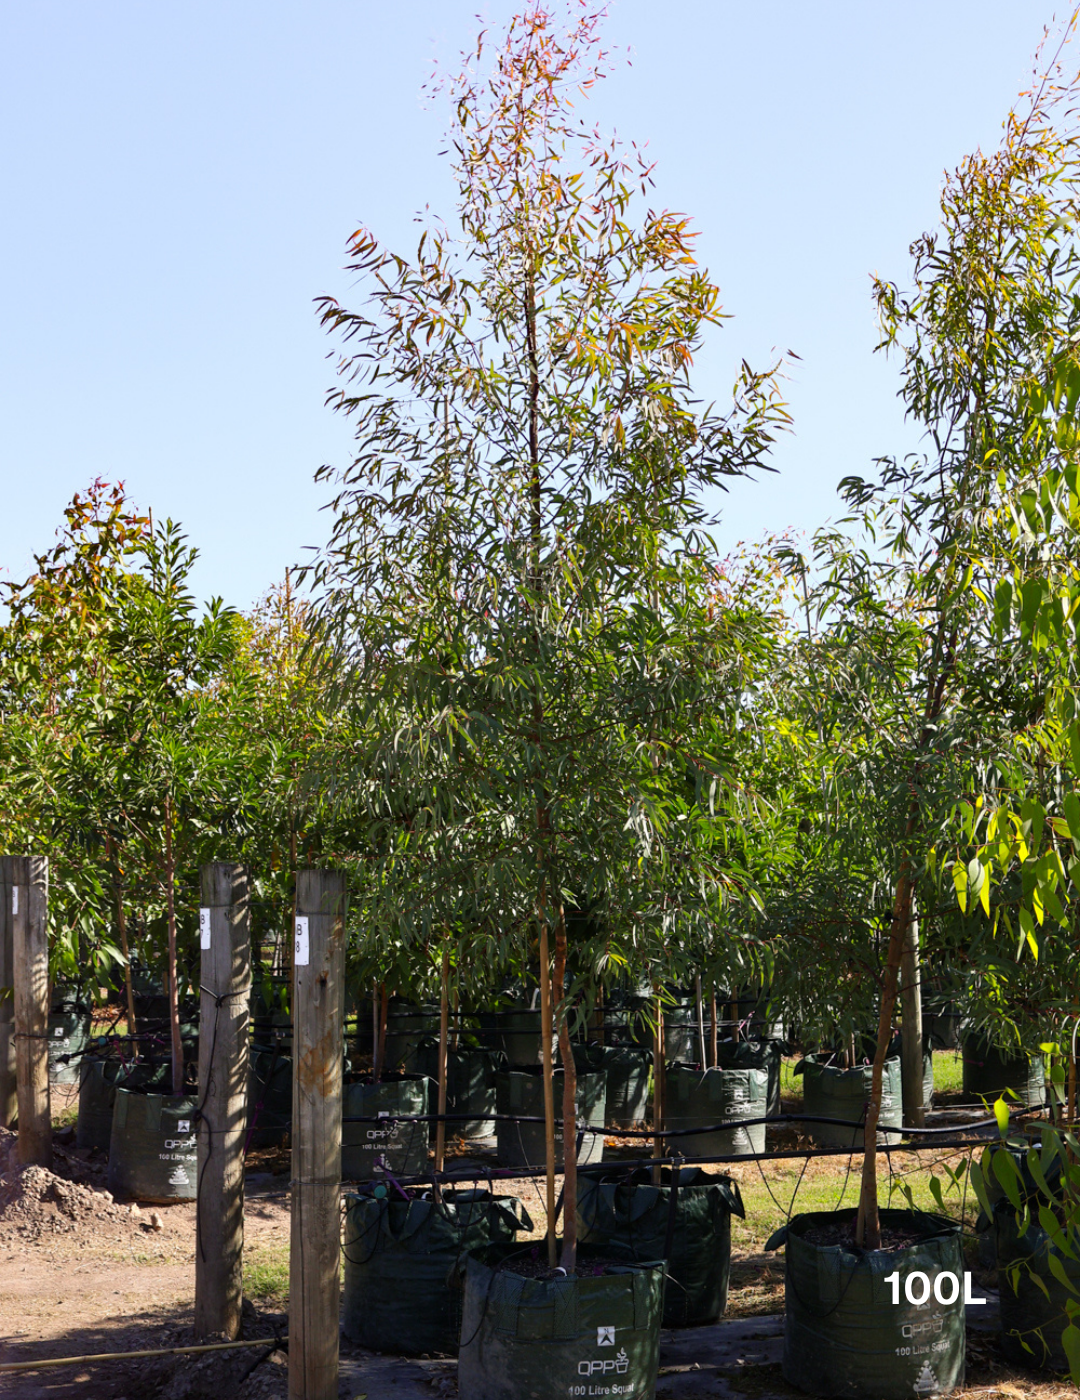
[(367, 1149), (596, 1333), (686, 1221), (844, 1335), (269, 1103), (69, 1035), (470, 1086), (520, 1093), (407, 1026), (988, 1072), (99, 1079), (700, 1097), (152, 1153), (754, 1054), (829, 1092), (626, 1074), (1033, 1314), (399, 1256)]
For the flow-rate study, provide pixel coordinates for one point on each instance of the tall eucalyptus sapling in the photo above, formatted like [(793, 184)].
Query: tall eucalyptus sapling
[(982, 335), (519, 569)]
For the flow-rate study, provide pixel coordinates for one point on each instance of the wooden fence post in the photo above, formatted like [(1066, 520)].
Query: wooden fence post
[(28, 878), (221, 1124), (8, 1102), (315, 1243)]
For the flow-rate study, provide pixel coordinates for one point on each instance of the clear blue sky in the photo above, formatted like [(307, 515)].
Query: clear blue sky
[(180, 181)]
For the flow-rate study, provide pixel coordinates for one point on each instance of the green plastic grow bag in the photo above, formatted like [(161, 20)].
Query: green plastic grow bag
[(152, 1153), (520, 1092), (754, 1054), (844, 1335), (685, 1221), (988, 1072), (1032, 1320), (400, 1265), (829, 1092), (695, 1098), (627, 1073), (597, 1334), (369, 1149), (269, 1105), (470, 1086)]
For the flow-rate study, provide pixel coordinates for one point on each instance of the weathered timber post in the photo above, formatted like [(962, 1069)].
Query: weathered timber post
[(911, 1032), (314, 1255), (28, 880), (8, 1103), (221, 1125)]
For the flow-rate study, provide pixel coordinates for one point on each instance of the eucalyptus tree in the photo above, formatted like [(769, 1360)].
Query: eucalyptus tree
[(173, 787), (519, 571), (984, 335), (54, 681)]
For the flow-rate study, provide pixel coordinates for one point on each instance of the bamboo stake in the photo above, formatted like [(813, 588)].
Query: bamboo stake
[(7, 1367), (121, 927), (444, 1030), (546, 1029), (569, 1105), (658, 1087)]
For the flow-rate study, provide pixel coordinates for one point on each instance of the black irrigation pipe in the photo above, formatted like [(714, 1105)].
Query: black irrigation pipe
[(389, 1120)]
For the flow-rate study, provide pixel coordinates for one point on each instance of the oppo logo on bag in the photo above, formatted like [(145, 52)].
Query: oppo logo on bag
[(618, 1365)]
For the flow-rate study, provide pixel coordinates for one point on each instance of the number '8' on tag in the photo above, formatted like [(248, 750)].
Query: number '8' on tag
[(302, 954)]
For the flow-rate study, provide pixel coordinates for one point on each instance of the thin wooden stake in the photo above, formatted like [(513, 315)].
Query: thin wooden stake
[(699, 1005), (658, 1087), (315, 1239), (911, 1033), (8, 1097), (715, 1033), (546, 1031), (444, 1033), (28, 880), (221, 1128)]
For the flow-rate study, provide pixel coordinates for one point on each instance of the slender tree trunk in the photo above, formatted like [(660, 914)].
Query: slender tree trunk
[(380, 1044), (444, 1031), (121, 928), (174, 990), (658, 1088), (569, 1103), (715, 1058), (868, 1222), (700, 1009), (733, 1013), (547, 1029)]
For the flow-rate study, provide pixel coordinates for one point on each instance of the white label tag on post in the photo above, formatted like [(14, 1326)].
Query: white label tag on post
[(204, 928), (14, 899), (302, 955)]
